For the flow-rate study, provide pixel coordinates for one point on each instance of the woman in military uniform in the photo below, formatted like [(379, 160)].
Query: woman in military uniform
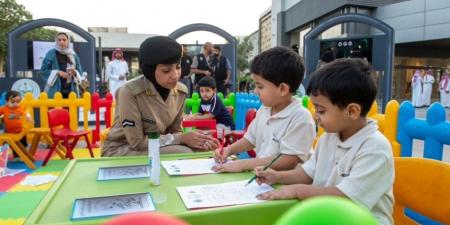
[(153, 102)]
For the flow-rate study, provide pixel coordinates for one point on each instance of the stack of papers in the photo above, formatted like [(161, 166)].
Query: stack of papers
[(36, 180), (189, 166), (224, 194)]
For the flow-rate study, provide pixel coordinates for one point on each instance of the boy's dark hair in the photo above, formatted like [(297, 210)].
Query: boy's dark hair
[(217, 47), (207, 81), (279, 65), (345, 81), (11, 94)]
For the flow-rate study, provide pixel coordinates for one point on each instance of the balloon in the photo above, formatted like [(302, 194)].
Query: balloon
[(145, 219), (327, 210)]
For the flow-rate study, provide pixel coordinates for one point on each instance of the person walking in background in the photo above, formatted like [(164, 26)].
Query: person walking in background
[(222, 70), (201, 63), (428, 81), (186, 62), (61, 68), (117, 71), (417, 89), (444, 89)]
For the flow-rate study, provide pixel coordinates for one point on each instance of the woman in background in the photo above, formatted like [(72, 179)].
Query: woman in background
[(61, 68)]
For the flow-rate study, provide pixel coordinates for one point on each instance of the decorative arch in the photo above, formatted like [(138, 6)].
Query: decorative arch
[(216, 30)]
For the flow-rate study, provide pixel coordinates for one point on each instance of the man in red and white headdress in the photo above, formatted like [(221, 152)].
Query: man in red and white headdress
[(117, 71)]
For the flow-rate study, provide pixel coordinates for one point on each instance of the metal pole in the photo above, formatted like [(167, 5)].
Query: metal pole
[(100, 67)]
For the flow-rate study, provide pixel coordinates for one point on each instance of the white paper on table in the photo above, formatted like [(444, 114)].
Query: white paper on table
[(12, 172), (189, 166), (224, 194), (112, 205), (123, 172), (36, 180)]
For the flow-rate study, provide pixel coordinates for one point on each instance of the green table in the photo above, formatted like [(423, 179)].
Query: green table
[(79, 180)]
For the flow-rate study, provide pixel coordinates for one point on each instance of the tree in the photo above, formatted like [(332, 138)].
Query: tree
[(243, 49), (11, 15)]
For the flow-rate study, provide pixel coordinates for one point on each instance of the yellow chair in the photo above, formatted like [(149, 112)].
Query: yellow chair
[(422, 185), (13, 140)]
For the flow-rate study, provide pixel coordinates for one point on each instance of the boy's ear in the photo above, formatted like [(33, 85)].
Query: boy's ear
[(284, 89), (354, 110)]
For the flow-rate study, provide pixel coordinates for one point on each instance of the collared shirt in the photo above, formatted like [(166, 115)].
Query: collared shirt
[(361, 167), (290, 131)]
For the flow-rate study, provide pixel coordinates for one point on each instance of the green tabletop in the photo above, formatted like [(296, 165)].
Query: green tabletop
[(79, 180)]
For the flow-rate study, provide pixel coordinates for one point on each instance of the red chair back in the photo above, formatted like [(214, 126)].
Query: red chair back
[(249, 117), (58, 117)]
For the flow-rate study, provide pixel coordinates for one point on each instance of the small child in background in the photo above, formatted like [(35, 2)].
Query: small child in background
[(211, 107), (13, 114)]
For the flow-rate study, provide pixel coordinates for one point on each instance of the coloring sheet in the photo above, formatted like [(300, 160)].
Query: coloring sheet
[(112, 205), (189, 166), (224, 194), (123, 172)]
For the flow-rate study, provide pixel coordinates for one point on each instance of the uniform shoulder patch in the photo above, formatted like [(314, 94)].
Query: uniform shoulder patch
[(128, 123)]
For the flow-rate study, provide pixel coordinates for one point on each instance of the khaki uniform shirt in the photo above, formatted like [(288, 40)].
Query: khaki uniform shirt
[(140, 110), (361, 167)]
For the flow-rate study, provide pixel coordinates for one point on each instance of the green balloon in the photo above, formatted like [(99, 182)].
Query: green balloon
[(327, 210)]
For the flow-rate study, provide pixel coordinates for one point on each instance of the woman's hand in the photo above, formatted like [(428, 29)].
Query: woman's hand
[(63, 74), (199, 140)]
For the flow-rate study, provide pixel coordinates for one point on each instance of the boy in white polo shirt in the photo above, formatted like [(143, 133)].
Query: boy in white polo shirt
[(281, 125), (353, 159)]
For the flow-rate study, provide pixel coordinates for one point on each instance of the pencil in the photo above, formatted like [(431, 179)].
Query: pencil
[(265, 167)]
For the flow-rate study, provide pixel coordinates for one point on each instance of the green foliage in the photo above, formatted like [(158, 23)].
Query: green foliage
[(243, 49), (11, 15)]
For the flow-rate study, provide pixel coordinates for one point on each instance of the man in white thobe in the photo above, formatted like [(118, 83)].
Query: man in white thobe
[(117, 71), (444, 88), (428, 81), (416, 88)]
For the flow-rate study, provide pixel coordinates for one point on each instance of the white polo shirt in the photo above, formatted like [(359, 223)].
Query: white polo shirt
[(361, 167), (290, 131)]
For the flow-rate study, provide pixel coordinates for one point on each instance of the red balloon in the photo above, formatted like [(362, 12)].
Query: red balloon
[(145, 219)]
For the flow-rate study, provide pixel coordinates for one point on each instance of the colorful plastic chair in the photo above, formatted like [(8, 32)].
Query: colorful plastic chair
[(235, 135), (145, 219), (56, 119), (422, 185), (13, 140)]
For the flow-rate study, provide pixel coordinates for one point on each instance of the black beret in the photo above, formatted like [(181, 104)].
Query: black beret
[(159, 50)]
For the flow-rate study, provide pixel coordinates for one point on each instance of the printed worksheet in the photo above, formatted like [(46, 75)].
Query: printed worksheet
[(122, 172), (224, 194), (188, 166), (112, 205)]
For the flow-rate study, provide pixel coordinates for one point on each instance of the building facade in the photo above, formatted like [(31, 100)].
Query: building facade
[(422, 31)]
